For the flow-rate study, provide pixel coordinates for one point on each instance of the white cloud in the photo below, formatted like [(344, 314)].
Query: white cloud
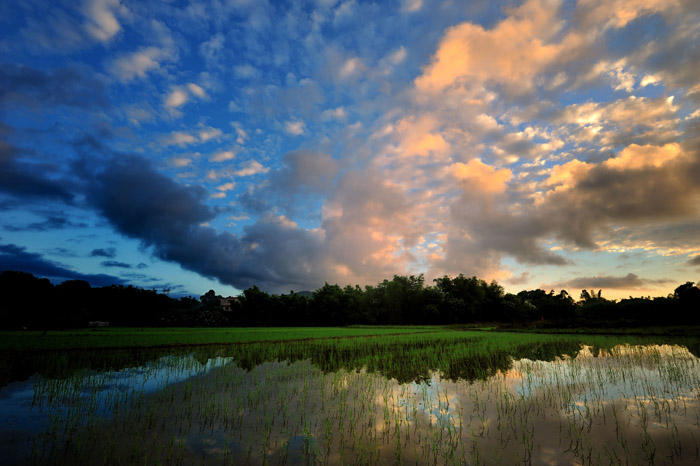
[(650, 80), (351, 67), (209, 133), (294, 127), (226, 186), (180, 162), (397, 56), (253, 167), (176, 98), (197, 90), (102, 23), (411, 6), (137, 64), (180, 138), (222, 156), (241, 134), (337, 113)]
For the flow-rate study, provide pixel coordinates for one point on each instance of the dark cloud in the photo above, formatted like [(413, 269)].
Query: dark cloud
[(606, 195), (519, 279), (62, 252), (14, 257), (104, 252), (25, 180), (122, 265), (142, 203), (628, 281), (694, 261), (141, 277), (27, 87), (273, 253), (51, 223), (146, 205), (487, 225)]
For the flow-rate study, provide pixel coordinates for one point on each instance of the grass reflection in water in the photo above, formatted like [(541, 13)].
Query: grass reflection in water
[(444, 398)]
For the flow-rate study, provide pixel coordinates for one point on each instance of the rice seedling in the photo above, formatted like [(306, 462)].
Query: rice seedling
[(443, 397)]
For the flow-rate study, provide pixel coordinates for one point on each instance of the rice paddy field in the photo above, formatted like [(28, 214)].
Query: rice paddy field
[(355, 396)]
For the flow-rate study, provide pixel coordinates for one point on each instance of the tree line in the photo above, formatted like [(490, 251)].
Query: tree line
[(31, 302)]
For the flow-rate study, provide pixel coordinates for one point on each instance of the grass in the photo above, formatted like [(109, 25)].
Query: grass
[(128, 337), (669, 330)]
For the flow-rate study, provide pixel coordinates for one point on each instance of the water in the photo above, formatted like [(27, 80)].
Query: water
[(624, 405)]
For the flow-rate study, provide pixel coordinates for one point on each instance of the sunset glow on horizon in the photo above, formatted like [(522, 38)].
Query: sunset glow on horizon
[(190, 145)]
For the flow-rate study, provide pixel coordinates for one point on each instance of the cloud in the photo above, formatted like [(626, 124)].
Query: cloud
[(117, 264), (411, 6), (510, 54), (179, 96), (477, 175), (245, 71), (23, 180), (197, 90), (209, 133), (337, 113), (694, 261), (618, 13), (176, 98), (294, 127), (250, 168), (180, 162), (144, 204), (305, 171), (629, 281), (141, 202), (273, 252), (102, 23), (222, 156), (53, 222), (27, 87), (421, 136), (639, 119), (351, 68), (226, 186), (14, 257), (139, 63), (104, 252), (520, 279), (61, 33), (213, 50), (645, 183), (180, 138)]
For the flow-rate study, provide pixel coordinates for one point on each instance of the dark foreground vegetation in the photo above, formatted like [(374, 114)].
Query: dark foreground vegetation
[(35, 303)]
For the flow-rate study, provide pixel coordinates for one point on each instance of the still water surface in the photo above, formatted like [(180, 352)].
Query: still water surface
[(623, 405)]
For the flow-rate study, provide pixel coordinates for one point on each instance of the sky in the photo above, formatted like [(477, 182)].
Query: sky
[(219, 144)]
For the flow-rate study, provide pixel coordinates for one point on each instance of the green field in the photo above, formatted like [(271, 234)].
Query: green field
[(172, 336)]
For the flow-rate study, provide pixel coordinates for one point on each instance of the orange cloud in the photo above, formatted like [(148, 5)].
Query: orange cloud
[(565, 175), (421, 136), (511, 53), (634, 157), (481, 176), (619, 13)]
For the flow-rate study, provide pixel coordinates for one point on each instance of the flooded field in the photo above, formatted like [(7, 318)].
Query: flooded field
[(445, 398)]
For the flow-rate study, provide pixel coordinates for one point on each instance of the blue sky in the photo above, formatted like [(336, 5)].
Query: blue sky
[(226, 143)]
